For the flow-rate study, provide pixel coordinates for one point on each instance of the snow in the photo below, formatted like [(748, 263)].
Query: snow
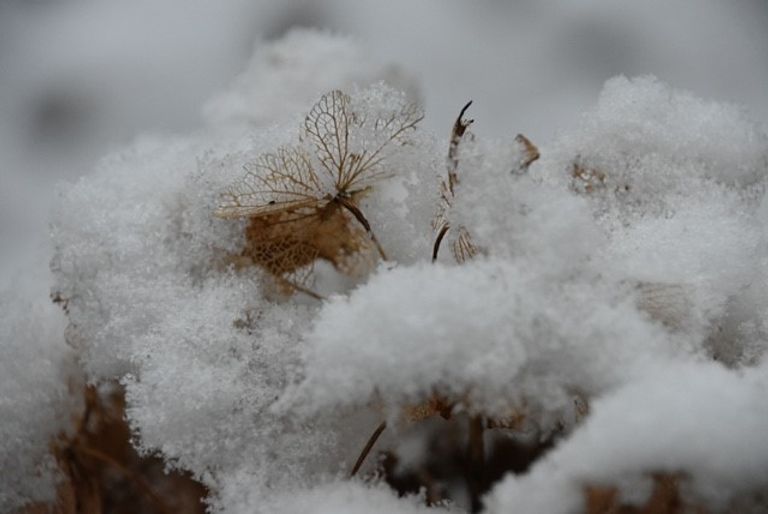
[(514, 213), (492, 333), (612, 272), (698, 418), (655, 144), (348, 497), (37, 379), (208, 373)]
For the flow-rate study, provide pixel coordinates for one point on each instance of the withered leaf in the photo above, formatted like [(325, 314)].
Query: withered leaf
[(301, 198)]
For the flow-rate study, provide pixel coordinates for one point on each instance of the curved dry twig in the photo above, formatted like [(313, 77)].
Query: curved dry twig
[(367, 448), (463, 248), (358, 214)]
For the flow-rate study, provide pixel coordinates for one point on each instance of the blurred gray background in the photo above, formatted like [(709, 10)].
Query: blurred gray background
[(79, 77)]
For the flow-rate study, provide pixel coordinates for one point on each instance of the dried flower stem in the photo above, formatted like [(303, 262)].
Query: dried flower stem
[(475, 462), (463, 248), (367, 448), (358, 214)]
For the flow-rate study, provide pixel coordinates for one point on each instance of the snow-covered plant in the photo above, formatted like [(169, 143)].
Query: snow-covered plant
[(594, 340)]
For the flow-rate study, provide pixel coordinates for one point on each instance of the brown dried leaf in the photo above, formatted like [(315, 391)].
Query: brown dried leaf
[(327, 125), (273, 183), (287, 247), (530, 152), (281, 247), (463, 247), (298, 216), (102, 473)]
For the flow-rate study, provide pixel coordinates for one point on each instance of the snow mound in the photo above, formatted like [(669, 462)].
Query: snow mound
[(694, 418)]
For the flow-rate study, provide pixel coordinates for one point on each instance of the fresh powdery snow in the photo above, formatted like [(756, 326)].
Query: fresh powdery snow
[(37, 370), (599, 301)]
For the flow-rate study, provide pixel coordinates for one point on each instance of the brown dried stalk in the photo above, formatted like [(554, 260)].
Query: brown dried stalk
[(299, 199), (368, 447), (463, 248), (436, 405), (475, 462), (442, 406)]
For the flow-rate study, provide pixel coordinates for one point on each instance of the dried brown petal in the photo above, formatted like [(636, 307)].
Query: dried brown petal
[(530, 154)]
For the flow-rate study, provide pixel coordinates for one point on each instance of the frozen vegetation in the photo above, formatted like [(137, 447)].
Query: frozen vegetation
[(598, 300)]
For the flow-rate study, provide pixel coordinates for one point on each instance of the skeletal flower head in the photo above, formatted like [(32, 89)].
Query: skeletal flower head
[(341, 151), (302, 198)]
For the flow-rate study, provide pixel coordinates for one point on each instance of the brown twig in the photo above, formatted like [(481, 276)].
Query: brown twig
[(460, 127), (367, 448), (358, 214), (438, 240), (293, 285), (475, 462)]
